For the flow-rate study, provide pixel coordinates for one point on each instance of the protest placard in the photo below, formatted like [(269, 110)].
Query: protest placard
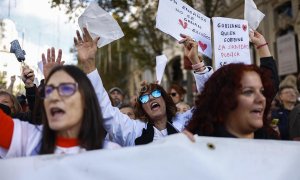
[(161, 62), (175, 17), (231, 41)]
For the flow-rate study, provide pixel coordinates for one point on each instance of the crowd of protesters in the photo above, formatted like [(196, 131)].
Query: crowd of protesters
[(71, 112)]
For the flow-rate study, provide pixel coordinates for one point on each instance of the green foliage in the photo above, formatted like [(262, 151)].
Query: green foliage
[(142, 41)]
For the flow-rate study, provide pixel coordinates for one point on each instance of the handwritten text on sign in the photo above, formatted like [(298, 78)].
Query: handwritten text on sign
[(175, 17), (231, 41)]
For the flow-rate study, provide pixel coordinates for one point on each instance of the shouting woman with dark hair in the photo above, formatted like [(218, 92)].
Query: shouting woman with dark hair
[(156, 109), (72, 120)]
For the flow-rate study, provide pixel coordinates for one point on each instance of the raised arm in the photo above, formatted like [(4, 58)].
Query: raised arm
[(200, 71), (267, 63), (51, 61), (119, 126), (31, 90)]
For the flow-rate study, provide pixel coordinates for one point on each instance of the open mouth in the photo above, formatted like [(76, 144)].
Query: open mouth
[(56, 111), (258, 111), (155, 106)]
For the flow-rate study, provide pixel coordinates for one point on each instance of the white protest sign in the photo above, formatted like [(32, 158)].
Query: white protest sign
[(161, 62), (173, 157), (101, 24), (231, 41), (252, 14), (175, 17)]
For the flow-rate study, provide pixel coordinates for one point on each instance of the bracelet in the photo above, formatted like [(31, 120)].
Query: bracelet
[(200, 69), (261, 45), (198, 65)]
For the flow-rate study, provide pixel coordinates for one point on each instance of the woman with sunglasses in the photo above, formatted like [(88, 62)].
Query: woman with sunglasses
[(72, 120), (155, 108), (177, 93)]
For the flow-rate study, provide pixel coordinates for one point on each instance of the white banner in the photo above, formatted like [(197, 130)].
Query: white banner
[(231, 41), (174, 157), (175, 17)]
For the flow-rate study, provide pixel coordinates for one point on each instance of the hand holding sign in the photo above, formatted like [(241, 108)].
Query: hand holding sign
[(176, 17), (190, 48), (256, 38), (261, 44)]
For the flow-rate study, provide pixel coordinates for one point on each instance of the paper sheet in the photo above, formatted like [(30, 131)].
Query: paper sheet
[(100, 24)]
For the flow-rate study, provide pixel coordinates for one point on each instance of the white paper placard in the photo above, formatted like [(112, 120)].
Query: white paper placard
[(252, 14), (231, 41), (101, 24), (175, 17), (161, 62)]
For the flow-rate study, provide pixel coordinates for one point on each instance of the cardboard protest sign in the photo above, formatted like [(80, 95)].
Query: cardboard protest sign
[(175, 17), (231, 41)]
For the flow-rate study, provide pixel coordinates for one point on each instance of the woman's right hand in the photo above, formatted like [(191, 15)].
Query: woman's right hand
[(87, 49), (50, 62), (190, 49), (261, 44)]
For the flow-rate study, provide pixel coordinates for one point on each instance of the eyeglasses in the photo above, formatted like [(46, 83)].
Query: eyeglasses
[(64, 89), (173, 94), (145, 97)]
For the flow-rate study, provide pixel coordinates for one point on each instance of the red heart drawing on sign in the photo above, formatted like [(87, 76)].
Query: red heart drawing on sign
[(183, 24), (244, 27), (203, 46)]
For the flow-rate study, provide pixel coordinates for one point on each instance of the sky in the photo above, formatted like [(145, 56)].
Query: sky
[(42, 27)]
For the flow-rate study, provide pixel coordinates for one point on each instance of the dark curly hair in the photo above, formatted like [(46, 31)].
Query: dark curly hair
[(170, 105), (219, 97)]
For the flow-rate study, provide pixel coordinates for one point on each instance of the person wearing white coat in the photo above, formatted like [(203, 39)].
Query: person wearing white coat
[(120, 128)]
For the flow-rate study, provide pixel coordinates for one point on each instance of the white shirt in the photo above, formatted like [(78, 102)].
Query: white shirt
[(120, 127), (26, 141)]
